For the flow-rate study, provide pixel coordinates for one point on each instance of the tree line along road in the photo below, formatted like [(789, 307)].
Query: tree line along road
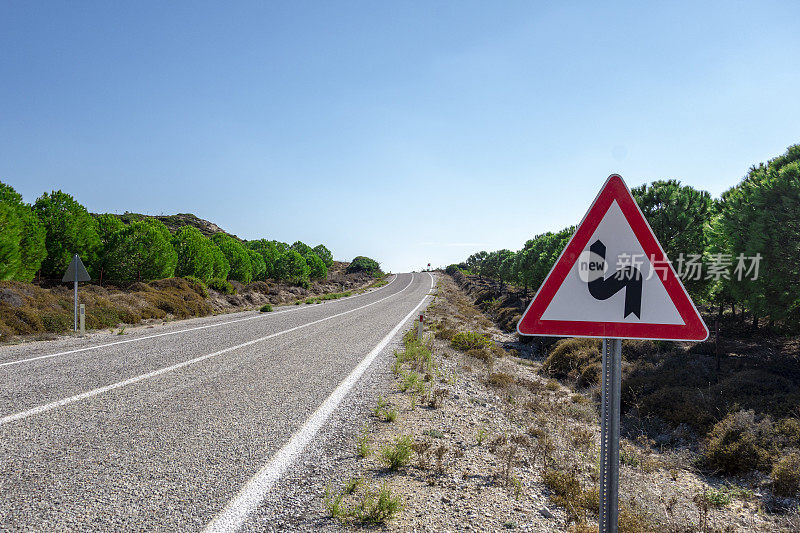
[(181, 428)]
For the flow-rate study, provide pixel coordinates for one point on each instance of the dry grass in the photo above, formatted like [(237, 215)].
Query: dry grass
[(503, 470), (27, 309)]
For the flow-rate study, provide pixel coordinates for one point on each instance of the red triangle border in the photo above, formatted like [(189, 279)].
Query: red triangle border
[(531, 322)]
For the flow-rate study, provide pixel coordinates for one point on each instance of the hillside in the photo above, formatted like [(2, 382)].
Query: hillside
[(174, 222)]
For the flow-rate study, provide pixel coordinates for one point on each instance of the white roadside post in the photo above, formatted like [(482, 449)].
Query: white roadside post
[(76, 298), (591, 291), (419, 326)]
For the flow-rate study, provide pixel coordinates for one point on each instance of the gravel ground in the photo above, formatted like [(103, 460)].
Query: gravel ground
[(479, 424)]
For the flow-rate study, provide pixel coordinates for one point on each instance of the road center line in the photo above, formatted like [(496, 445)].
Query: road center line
[(95, 392), (236, 512), (87, 348)]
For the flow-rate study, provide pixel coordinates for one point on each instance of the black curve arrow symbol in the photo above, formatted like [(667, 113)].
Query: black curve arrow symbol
[(628, 278)]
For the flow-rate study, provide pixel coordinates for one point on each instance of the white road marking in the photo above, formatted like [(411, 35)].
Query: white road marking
[(77, 350), (136, 379), (234, 515)]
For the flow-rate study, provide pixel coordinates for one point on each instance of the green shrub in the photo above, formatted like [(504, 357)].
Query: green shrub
[(197, 285), (789, 430), (266, 308), (786, 475), (412, 382), (500, 379), (717, 498), (571, 358), (739, 443), (445, 333), (323, 253), (397, 456), (482, 354), (568, 493), (364, 264), (470, 340), (452, 269), (220, 285)]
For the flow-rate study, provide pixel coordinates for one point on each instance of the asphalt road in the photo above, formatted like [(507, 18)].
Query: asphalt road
[(186, 426)]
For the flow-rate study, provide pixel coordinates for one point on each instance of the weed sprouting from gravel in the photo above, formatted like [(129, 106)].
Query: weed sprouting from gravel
[(385, 411), (412, 381), (398, 455), (500, 380), (352, 484), (717, 498), (382, 405), (396, 367), (440, 452), (377, 508), (421, 448), (516, 483), (437, 398), (569, 494), (334, 503), (435, 433), (364, 443), (511, 451)]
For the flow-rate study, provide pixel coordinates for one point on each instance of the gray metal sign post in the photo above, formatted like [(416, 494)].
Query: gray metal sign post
[(609, 435), (76, 272)]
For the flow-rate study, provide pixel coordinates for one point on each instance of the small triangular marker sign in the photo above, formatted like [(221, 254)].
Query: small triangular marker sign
[(76, 267), (613, 280)]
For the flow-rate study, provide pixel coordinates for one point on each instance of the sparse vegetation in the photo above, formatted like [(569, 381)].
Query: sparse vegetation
[(569, 493), (397, 456), (559, 446), (364, 443), (471, 340), (376, 507), (384, 411)]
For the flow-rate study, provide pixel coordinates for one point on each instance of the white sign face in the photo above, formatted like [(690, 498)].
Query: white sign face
[(573, 301)]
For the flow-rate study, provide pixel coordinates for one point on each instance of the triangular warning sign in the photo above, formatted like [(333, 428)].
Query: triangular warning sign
[(613, 280), (76, 271)]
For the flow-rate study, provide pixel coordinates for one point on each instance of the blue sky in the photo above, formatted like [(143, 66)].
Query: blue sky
[(412, 132)]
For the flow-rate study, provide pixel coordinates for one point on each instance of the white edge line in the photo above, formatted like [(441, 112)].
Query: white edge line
[(87, 348), (95, 392), (247, 500)]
